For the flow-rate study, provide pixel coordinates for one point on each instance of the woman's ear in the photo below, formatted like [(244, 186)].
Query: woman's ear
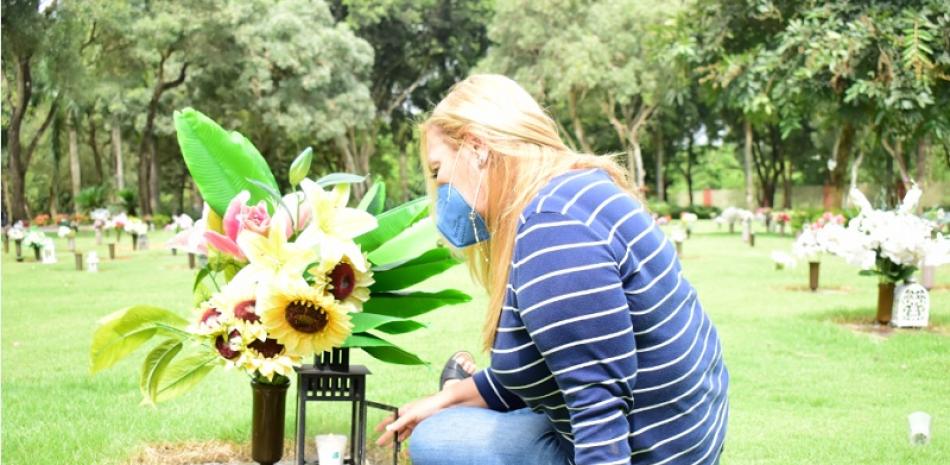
[(480, 149)]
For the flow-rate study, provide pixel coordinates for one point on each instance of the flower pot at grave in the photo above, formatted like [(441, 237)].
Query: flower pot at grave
[(885, 302), (732, 228), (72, 243), (135, 241), (781, 228), (751, 239), (98, 236), (689, 233), (112, 251), (679, 249), (36, 253), (267, 429), (191, 261), (6, 244), (813, 275), (927, 276), (19, 250)]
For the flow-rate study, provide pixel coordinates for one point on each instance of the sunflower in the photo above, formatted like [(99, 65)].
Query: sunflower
[(303, 318), (344, 281), (268, 357)]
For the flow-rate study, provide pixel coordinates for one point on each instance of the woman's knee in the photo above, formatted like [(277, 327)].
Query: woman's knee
[(435, 439)]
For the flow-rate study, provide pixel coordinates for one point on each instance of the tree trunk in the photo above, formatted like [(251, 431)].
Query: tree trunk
[(637, 160), (146, 144), (180, 192), (75, 173), (143, 170), (117, 153), (94, 145), (577, 123), (749, 187), (20, 156), (842, 153), (56, 155), (787, 184), (660, 186), (689, 169), (153, 178), (922, 166)]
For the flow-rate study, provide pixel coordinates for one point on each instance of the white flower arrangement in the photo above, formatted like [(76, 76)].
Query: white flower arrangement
[(16, 233), (689, 218), (136, 227), (678, 234), (35, 238), (807, 246), (783, 260), (733, 214), (889, 243), (99, 214), (65, 231)]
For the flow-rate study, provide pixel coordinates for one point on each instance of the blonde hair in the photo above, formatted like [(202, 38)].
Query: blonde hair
[(525, 152)]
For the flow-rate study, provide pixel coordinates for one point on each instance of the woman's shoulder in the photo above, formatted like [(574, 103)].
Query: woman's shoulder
[(578, 194)]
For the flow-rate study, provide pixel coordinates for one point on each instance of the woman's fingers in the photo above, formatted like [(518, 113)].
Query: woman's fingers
[(382, 424), (399, 426)]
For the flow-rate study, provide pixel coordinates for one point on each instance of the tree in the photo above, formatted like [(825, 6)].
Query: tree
[(35, 43)]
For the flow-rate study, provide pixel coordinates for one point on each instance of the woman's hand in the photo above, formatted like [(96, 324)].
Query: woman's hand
[(409, 416)]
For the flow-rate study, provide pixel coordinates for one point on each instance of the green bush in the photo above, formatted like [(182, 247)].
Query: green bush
[(160, 220), (660, 208), (701, 211), (128, 200), (92, 197)]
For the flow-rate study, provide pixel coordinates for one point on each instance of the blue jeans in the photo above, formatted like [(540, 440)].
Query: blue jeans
[(480, 436)]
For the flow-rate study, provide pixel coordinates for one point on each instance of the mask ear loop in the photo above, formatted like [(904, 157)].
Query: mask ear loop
[(471, 215)]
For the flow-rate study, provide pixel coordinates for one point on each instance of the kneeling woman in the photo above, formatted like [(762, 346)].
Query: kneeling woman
[(600, 350)]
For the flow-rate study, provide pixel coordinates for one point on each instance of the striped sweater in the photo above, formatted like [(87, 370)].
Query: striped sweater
[(601, 332)]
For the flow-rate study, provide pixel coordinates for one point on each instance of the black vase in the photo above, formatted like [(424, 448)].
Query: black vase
[(267, 431)]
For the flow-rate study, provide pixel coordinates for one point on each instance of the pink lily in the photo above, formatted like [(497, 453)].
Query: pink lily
[(239, 217)]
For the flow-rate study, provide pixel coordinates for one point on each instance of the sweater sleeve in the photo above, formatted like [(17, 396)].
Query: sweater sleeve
[(572, 302), (495, 395)]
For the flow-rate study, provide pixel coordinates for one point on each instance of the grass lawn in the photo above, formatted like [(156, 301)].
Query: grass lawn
[(804, 389)]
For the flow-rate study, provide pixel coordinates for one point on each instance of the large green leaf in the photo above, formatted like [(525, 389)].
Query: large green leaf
[(400, 275), (184, 374), (382, 349), (363, 321), (154, 367), (410, 304), (121, 332), (375, 199), (221, 162), (411, 243), (392, 222)]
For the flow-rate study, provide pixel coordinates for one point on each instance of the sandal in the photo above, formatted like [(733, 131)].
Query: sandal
[(454, 370)]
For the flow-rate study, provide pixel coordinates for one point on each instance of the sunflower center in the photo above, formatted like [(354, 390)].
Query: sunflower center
[(343, 279), (245, 311), (304, 317), (268, 348), (224, 345)]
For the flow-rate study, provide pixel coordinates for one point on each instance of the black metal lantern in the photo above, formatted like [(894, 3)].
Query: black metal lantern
[(331, 378)]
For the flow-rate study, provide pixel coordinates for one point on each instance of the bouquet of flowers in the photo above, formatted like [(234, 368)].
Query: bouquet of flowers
[(731, 215), (99, 217), (888, 243), (16, 232), (289, 276), (35, 239), (65, 232), (688, 219), (783, 260), (136, 227)]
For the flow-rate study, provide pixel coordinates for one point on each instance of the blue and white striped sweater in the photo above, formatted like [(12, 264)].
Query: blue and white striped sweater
[(601, 332)]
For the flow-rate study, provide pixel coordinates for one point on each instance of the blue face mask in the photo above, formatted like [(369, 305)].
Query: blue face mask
[(458, 222)]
